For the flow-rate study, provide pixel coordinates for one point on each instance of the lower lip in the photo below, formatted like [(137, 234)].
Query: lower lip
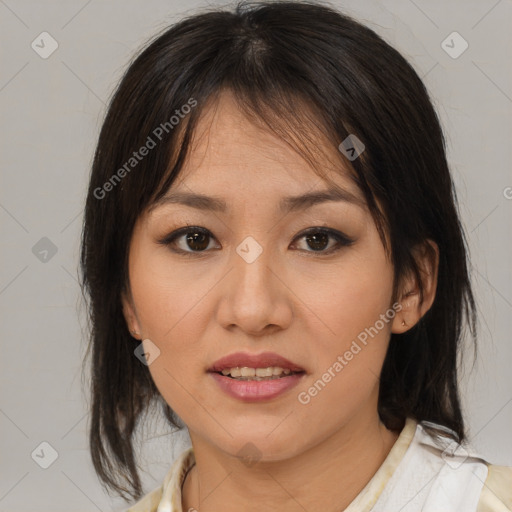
[(256, 390)]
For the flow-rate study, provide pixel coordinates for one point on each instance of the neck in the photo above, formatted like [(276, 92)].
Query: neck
[(327, 476)]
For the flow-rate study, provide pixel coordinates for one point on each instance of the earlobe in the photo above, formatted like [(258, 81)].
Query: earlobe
[(413, 305), (129, 315), (407, 316)]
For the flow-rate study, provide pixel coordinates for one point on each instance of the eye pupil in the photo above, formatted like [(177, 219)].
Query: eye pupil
[(198, 238), (320, 241)]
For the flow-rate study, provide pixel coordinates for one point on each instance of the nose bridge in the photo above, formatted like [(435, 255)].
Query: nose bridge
[(252, 261), (254, 298)]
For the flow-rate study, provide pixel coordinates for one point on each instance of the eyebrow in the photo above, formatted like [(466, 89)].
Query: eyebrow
[(286, 205)]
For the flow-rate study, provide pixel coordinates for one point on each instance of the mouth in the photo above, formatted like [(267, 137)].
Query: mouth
[(255, 367), (256, 377), (245, 373), (260, 384)]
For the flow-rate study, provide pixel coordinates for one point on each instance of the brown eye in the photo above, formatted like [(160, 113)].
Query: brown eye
[(194, 240), (318, 240), (188, 240), (197, 240)]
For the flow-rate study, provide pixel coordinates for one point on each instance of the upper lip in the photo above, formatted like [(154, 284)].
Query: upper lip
[(263, 360)]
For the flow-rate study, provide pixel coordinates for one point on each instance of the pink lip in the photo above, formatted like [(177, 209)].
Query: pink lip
[(254, 390), (263, 360)]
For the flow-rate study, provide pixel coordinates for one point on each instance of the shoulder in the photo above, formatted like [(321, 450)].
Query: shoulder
[(169, 493), (149, 503), (494, 481), (496, 493)]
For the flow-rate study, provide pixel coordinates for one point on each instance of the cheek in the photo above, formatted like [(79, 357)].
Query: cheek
[(173, 375), (172, 325), (347, 366), (355, 332), (168, 300), (352, 296), (170, 308)]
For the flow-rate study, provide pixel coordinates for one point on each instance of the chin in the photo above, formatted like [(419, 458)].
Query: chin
[(252, 448)]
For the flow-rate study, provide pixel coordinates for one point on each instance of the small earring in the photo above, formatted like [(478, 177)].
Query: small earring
[(403, 323)]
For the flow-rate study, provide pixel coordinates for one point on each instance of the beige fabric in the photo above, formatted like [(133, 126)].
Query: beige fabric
[(496, 493)]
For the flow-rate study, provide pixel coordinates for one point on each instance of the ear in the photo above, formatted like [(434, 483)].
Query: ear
[(129, 314), (413, 308)]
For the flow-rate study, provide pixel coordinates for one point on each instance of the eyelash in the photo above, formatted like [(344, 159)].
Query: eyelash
[(341, 239)]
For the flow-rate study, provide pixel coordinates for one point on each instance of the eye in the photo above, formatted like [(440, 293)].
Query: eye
[(318, 239), (194, 240), (191, 237)]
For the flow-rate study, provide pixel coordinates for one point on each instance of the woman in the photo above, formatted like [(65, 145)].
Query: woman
[(273, 253)]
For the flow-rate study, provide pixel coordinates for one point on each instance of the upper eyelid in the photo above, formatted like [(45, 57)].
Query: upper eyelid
[(185, 229)]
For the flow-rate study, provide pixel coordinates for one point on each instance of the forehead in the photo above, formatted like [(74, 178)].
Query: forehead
[(231, 151)]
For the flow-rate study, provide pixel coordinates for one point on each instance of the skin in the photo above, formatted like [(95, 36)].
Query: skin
[(291, 300)]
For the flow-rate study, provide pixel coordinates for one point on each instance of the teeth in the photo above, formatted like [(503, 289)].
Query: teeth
[(264, 372), (271, 371), (248, 372)]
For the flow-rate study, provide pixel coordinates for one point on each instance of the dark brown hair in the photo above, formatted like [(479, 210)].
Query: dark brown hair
[(297, 67)]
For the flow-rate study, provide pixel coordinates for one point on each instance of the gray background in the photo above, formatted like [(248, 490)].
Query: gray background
[(51, 112)]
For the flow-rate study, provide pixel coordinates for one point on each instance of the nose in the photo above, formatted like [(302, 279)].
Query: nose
[(254, 297)]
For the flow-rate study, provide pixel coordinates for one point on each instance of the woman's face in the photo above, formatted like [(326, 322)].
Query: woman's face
[(254, 282)]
